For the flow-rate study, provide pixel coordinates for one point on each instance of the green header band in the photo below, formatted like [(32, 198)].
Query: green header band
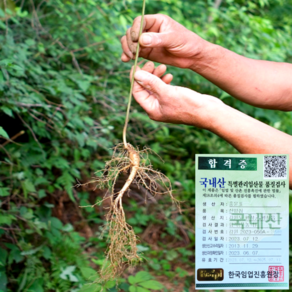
[(228, 163)]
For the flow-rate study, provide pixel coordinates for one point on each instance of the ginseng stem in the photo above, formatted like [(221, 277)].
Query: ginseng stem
[(132, 80)]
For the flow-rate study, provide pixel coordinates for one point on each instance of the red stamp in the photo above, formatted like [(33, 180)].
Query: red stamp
[(276, 274)]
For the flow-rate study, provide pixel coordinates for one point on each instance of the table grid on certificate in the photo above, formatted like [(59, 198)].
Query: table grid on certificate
[(238, 225)]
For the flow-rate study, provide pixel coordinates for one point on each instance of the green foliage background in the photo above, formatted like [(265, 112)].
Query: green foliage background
[(63, 84)]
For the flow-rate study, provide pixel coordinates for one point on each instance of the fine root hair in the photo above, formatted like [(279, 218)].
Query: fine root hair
[(128, 161)]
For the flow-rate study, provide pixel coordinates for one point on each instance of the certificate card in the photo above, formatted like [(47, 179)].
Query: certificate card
[(242, 222)]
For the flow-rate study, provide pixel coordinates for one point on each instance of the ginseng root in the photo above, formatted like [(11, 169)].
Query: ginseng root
[(122, 250)]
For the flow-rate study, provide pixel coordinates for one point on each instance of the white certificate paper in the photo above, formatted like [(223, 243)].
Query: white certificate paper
[(242, 222)]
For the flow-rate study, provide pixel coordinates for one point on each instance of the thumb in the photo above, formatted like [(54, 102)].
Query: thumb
[(155, 40), (150, 81)]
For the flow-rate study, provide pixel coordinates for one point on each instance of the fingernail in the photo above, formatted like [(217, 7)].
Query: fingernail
[(140, 82), (146, 39)]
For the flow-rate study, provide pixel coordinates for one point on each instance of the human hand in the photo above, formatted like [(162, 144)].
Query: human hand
[(172, 104), (163, 40)]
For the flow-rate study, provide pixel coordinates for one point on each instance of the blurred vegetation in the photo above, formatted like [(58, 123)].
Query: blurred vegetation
[(63, 96)]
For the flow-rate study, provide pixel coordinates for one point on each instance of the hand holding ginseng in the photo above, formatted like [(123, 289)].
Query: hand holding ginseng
[(163, 40), (134, 165), (172, 104)]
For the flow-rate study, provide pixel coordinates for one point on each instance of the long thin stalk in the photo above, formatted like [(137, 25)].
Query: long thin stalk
[(132, 80)]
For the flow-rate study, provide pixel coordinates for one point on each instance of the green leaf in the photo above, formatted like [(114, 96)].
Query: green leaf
[(152, 284), (37, 286), (88, 273), (171, 255), (133, 289), (26, 213), (155, 265), (4, 192), (142, 248), (124, 286), (47, 252), (67, 274), (6, 219), (88, 121), (90, 288), (15, 255), (3, 279), (56, 223), (68, 227), (180, 272), (110, 284), (31, 251), (2, 13), (131, 280), (41, 181), (66, 180), (3, 133), (41, 194), (7, 111), (3, 257), (123, 22), (29, 187), (140, 277)]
